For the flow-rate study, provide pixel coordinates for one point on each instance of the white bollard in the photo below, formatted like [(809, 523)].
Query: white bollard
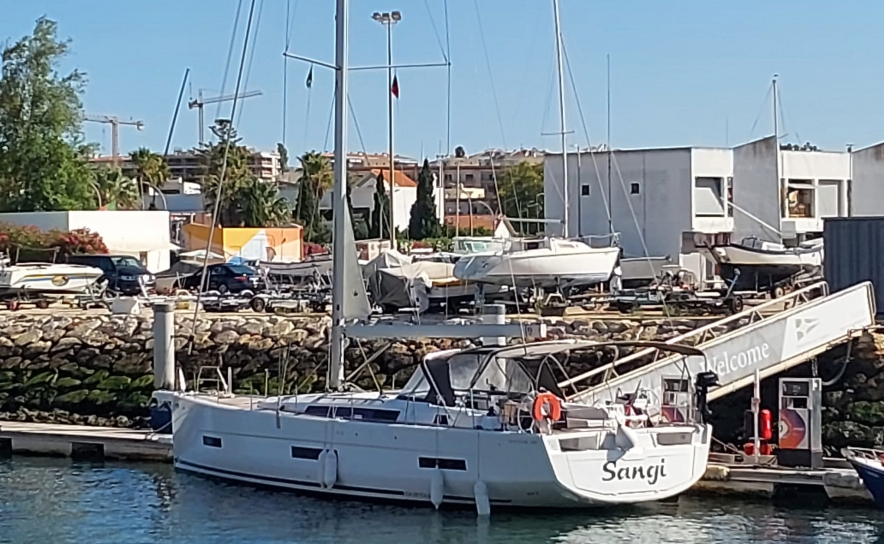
[(164, 346), (494, 314)]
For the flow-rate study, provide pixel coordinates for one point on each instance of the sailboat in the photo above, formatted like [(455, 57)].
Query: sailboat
[(477, 427), (545, 261), (754, 264)]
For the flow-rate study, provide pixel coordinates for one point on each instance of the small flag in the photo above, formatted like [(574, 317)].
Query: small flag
[(394, 88), (310, 77)]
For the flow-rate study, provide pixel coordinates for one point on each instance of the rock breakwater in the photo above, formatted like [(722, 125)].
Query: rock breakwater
[(97, 369)]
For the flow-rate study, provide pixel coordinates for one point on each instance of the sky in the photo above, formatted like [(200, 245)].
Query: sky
[(683, 72)]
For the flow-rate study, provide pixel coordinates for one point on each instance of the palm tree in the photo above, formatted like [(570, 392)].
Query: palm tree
[(116, 190), (151, 170), (316, 178), (262, 206)]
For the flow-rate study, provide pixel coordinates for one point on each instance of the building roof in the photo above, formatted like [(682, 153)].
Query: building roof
[(401, 180)]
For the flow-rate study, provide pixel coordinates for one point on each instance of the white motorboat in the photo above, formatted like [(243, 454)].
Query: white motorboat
[(546, 261), (756, 264), (471, 427), (46, 279)]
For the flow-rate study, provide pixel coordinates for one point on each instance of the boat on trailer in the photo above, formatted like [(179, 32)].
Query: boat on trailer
[(45, 280), (757, 265), (545, 261), (475, 427)]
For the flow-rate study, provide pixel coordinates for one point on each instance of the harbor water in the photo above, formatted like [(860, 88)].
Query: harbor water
[(55, 500)]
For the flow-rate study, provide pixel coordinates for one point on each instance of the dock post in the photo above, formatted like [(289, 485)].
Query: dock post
[(164, 346), (494, 314)]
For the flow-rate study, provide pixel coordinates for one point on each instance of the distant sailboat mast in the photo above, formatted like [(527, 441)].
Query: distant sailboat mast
[(559, 60)]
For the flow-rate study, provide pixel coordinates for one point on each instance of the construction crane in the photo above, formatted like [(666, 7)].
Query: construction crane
[(115, 131), (199, 102)]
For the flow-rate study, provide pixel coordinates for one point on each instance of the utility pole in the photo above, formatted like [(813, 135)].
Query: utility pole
[(115, 131), (388, 19), (199, 102)]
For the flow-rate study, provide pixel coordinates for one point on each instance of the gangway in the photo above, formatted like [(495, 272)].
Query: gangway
[(810, 321)]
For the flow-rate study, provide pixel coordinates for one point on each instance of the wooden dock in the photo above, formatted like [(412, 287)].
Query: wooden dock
[(724, 476)]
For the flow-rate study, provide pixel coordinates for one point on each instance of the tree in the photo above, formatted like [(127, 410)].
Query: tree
[(243, 201), (115, 190), (151, 170), (379, 227), (424, 223), (316, 178), (263, 206), (41, 167), (520, 194), (283, 157)]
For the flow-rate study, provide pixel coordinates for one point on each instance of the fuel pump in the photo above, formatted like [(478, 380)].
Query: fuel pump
[(800, 423)]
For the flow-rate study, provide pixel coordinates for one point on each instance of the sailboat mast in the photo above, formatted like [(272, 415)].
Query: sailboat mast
[(560, 67), (339, 196)]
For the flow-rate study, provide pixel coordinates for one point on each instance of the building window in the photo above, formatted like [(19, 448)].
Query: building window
[(708, 201), (584, 190), (799, 198), (634, 188), (468, 177), (447, 177)]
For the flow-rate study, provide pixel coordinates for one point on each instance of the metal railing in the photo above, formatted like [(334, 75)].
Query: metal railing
[(708, 332)]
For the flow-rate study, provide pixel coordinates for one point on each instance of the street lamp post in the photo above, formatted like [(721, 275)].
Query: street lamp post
[(388, 19)]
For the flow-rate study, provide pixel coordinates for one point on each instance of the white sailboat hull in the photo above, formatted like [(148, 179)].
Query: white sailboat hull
[(366, 460), (543, 267)]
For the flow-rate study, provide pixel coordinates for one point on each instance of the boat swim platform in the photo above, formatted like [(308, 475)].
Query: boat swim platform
[(724, 475), (810, 322)]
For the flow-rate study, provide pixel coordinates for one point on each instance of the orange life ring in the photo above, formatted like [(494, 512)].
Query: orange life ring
[(555, 407)]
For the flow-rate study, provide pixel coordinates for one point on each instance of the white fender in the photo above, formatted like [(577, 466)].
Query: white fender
[(320, 468), (625, 438), (330, 474), (483, 505), (437, 487)]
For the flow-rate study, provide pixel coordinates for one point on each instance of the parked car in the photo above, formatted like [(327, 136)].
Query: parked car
[(124, 273), (227, 278)]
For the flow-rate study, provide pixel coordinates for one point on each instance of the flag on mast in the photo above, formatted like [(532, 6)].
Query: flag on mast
[(394, 88), (310, 77)]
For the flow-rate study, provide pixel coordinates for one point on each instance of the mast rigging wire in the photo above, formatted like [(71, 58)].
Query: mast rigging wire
[(229, 57), (221, 180), (251, 55)]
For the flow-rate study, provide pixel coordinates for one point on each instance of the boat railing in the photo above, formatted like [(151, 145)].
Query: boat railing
[(872, 454), (609, 240), (215, 376)]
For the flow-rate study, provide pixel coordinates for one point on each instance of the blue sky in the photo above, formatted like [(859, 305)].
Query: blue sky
[(683, 72)]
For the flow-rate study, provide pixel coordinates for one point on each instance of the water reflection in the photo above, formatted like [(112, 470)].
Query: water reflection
[(45, 500)]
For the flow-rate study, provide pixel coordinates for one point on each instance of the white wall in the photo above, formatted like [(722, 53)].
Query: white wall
[(657, 215), (867, 192), (708, 162), (362, 196), (131, 232)]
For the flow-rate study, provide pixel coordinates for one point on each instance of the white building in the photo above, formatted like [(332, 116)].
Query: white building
[(362, 192), (141, 234), (663, 202)]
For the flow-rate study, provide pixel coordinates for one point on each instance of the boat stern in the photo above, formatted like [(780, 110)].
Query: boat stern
[(630, 465)]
